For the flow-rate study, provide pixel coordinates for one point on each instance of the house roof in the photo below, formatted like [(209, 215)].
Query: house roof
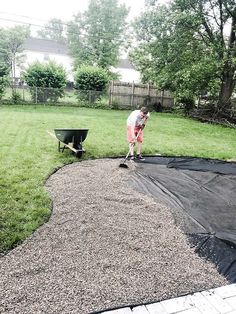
[(51, 46), (45, 45)]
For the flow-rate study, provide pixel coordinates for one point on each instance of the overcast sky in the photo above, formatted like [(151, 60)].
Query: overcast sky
[(39, 12)]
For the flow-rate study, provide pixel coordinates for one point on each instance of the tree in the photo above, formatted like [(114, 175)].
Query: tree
[(189, 47), (95, 37), (11, 48), (53, 30), (4, 76), (48, 81)]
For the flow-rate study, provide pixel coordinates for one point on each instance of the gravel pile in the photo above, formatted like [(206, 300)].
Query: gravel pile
[(105, 245)]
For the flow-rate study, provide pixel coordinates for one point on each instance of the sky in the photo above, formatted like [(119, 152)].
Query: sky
[(39, 12)]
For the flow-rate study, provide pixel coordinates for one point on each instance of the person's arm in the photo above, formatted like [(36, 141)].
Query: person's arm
[(144, 122)]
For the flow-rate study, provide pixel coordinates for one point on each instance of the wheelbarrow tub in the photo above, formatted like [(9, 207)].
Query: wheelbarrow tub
[(74, 136)]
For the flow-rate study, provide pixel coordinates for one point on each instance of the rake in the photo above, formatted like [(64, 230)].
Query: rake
[(123, 164)]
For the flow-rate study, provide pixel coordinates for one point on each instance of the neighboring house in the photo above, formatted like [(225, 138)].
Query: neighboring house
[(36, 49), (127, 72)]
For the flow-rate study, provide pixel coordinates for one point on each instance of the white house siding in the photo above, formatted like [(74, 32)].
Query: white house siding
[(32, 56), (128, 75), (43, 50)]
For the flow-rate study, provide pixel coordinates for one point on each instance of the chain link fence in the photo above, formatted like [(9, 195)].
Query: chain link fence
[(41, 95)]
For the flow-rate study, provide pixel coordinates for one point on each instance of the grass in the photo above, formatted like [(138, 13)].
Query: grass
[(29, 155)]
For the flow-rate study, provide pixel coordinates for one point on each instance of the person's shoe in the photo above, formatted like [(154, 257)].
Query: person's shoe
[(132, 157), (140, 158)]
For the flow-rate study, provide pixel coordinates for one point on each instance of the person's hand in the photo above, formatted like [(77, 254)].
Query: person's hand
[(143, 126)]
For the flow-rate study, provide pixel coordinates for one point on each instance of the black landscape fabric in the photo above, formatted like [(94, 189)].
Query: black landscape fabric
[(202, 196)]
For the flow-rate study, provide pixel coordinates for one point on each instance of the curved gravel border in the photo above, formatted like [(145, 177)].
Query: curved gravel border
[(105, 245)]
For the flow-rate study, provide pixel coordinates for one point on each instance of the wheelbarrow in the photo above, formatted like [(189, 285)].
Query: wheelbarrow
[(72, 139)]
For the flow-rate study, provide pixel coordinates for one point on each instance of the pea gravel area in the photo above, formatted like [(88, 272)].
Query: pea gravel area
[(105, 245)]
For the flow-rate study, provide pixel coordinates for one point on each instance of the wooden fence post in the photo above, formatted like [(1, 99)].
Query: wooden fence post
[(132, 95), (148, 94), (111, 87), (162, 97)]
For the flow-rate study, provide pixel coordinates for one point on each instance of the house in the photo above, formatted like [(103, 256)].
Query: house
[(36, 49), (127, 72)]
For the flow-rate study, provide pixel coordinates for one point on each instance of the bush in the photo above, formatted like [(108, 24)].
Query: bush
[(47, 81), (4, 79), (16, 97), (185, 101), (91, 78), (2, 87)]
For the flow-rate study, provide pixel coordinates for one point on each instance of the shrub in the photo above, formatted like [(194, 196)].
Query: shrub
[(48, 81), (4, 79), (186, 102), (88, 78), (16, 97)]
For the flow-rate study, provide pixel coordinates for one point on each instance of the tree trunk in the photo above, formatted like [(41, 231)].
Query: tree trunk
[(226, 89), (228, 73)]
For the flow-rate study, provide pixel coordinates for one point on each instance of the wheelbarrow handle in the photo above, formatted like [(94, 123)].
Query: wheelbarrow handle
[(70, 147)]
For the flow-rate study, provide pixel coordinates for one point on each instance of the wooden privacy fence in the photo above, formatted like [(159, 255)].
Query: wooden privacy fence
[(131, 95)]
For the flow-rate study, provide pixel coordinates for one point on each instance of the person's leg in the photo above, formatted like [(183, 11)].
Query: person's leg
[(139, 143), (131, 144), (131, 147), (139, 148), (139, 152)]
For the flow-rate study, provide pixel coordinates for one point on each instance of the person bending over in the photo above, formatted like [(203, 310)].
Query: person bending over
[(135, 124)]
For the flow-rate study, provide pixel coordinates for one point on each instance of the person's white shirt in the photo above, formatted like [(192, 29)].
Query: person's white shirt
[(136, 119)]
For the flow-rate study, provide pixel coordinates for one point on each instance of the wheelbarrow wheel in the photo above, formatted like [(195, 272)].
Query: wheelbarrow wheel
[(79, 153)]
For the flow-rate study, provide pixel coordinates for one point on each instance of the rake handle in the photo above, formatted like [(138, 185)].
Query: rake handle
[(132, 145)]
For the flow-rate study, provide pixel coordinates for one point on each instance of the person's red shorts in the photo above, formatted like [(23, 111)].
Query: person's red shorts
[(136, 130)]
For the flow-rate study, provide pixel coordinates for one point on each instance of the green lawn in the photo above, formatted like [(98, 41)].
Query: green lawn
[(28, 154)]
